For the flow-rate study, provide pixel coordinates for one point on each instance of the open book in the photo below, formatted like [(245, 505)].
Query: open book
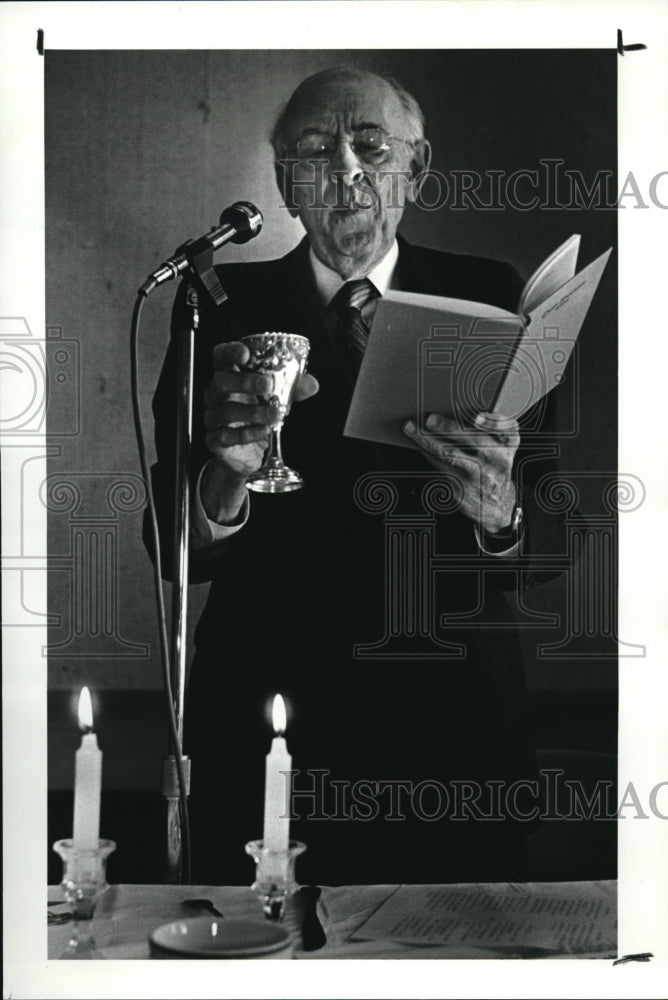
[(428, 354)]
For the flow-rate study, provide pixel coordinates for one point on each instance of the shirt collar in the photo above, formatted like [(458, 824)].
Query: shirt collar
[(328, 281)]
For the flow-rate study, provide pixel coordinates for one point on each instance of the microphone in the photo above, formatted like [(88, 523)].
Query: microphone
[(238, 224)]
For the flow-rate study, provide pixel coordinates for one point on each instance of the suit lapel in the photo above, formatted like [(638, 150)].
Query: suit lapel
[(415, 276)]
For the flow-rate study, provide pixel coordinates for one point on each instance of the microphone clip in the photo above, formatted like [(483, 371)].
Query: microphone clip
[(199, 254)]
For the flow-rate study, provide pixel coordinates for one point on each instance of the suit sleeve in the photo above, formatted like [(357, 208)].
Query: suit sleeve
[(203, 558)]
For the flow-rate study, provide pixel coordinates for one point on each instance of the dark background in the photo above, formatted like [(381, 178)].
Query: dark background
[(143, 150)]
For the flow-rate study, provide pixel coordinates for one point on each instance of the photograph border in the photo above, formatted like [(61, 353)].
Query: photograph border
[(643, 242)]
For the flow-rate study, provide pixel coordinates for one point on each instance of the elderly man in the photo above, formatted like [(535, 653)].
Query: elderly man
[(388, 748)]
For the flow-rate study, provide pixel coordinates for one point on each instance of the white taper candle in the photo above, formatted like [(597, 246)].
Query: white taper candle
[(87, 780), (277, 784)]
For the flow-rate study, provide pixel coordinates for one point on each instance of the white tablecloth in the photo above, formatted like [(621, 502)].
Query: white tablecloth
[(126, 915)]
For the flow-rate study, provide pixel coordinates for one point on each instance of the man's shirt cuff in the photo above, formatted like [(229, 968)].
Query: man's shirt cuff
[(510, 553), (205, 532)]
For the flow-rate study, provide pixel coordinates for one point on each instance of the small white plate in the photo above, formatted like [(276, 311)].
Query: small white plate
[(213, 937)]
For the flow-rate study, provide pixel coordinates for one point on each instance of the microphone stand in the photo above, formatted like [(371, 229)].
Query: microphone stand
[(180, 543), (238, 224), (201, 273)]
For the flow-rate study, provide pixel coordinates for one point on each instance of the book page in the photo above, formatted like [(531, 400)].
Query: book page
[(446, 304), (429, 355), (551, 275), (565, 917), (542, 355)]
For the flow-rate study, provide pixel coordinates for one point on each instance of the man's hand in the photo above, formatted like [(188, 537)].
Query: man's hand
[(238, 424), (480, 458)]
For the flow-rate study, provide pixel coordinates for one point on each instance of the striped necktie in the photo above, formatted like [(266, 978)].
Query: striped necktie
[(351, 331)]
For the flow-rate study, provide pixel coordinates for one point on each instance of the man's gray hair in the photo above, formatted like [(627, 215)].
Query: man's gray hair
[(414, 116)]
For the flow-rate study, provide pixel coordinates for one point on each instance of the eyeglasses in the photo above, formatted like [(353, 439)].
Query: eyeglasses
[(370, 145)]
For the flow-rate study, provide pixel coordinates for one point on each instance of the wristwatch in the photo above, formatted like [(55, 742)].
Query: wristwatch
[(516, 521), (512, 532)]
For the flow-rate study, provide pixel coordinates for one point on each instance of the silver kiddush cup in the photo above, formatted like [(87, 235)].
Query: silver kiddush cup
[(282, 355)]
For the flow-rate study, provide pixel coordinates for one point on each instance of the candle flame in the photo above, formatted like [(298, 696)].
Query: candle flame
[(85, 710), (278, 715)]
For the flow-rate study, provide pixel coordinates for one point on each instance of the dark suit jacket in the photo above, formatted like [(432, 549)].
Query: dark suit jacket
[(311, 578)]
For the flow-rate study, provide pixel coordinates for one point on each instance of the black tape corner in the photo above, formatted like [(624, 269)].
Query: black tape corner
[(40, 41), (621, 48), (641, 956)]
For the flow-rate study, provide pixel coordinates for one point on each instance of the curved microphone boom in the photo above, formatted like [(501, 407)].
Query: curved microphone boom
[(238, 224)]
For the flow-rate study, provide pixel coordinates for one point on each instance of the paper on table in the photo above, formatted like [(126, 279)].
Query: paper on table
[(571, 917)]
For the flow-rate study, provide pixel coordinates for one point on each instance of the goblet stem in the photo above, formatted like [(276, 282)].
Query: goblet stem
[(275, 455), (275, 476)]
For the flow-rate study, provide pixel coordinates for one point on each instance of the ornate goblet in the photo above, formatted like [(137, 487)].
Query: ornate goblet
[(282, 355)]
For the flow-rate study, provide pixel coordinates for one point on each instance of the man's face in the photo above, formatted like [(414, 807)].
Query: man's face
[(351, 205)]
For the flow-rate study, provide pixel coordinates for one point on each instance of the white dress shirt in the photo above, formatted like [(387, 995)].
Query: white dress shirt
[(383, 276)]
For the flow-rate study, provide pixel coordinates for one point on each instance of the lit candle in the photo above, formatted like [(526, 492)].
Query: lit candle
[(276, 797), (87, 779)]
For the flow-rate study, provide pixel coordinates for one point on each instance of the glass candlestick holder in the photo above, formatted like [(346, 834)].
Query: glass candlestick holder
[(274, 875), (84, 881)]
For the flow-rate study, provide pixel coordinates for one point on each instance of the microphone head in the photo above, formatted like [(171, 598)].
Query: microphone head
[(245, 218)]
